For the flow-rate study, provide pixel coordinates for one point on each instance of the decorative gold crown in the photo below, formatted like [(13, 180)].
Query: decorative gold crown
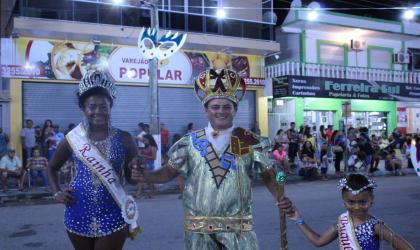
[(220, 83), (96, 78)]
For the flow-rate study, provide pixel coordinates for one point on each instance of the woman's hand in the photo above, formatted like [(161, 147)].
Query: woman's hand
[(137, 169), (66, 197)]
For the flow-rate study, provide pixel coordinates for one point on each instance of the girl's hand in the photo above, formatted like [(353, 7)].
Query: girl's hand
[(66, 197), (287, 206)]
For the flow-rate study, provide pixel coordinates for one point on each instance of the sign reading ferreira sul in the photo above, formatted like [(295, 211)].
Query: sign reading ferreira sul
[(305, 86), (70, 60)]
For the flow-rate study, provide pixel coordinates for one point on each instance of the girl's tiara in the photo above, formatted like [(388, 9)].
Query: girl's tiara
[(343, 184)]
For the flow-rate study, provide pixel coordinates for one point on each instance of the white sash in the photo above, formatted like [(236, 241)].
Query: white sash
[(92, 158), (346, 236)]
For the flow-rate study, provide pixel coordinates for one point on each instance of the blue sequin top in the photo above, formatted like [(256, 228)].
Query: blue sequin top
[(94, 212), (365, 234)]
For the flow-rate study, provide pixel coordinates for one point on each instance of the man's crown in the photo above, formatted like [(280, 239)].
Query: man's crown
[(220, 83), (97, 78)]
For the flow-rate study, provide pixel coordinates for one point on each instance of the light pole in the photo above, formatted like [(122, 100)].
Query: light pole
[(156, 49), (153, 81)]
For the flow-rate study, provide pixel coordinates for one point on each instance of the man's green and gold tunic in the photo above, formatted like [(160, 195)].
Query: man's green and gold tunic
[(217, 197)]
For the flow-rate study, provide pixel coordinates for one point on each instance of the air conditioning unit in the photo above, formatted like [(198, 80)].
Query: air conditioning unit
[(401, 58), (356, 44)]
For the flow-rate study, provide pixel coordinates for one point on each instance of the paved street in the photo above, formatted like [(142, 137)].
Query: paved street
[(397, 203)]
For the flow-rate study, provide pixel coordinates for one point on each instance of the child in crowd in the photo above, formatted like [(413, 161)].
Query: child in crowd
[(324, 164), (393, 163), (280, 158), (356, 228), (308, 163)]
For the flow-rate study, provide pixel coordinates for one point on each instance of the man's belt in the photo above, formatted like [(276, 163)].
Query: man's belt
[(209, 225)]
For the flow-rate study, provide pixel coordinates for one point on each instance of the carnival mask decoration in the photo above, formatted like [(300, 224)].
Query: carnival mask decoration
[(150, 47), (220, 83)]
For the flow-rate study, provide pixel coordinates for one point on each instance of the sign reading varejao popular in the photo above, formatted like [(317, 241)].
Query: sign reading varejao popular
[(127, 65), (63, 60), (305, 86)]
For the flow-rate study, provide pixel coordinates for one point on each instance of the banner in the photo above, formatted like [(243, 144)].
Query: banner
[(305, 86), (60, 60)]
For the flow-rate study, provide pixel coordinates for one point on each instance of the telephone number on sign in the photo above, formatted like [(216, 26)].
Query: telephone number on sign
[(254, 81)]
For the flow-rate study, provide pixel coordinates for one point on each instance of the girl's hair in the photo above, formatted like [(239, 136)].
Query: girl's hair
[(279, 131), (151, 140), (356, 183), (190, 126), (94, 91)]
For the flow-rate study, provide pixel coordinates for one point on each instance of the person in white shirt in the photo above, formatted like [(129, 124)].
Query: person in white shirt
[(11, 166)]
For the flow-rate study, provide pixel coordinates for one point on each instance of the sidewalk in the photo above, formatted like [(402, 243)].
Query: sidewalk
[(42, 195)]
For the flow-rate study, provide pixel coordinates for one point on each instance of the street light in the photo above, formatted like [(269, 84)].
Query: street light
[(220, 14), (313, 15), (408, 14)]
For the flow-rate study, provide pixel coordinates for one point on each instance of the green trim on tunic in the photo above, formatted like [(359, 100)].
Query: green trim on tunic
[(233, 198)]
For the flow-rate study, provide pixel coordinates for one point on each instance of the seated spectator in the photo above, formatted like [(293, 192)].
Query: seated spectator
[(393, 163), (280, 158), (308, 162), (11, 166), (37, 166)]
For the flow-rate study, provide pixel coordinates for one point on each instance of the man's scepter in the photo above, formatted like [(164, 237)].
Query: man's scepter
[(281, 179)]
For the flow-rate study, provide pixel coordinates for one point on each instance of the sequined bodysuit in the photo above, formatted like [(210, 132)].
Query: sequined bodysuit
[(365, 234), (94, 212)]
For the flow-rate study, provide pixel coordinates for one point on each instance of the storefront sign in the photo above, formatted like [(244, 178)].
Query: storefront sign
[(127, 65), (71, 60), (303, 86)]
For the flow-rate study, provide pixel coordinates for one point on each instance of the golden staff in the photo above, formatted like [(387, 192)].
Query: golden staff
[(281, 179)]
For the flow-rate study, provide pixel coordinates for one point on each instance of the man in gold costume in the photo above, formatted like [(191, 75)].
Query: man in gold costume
[(218, 164)]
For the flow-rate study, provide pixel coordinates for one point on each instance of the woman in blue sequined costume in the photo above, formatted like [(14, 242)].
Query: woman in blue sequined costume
[(356, 228), (92, 218)]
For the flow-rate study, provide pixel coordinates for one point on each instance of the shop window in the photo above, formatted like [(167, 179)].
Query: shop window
[(177, 21), (414, 59), (135, 17), (210, 7), (85, 12), (195, 6), (177, 5), (109, 14), (335, 54), (195, 23), (232, 28), (380, 58)]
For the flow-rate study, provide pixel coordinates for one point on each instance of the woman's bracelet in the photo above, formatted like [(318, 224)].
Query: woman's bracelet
[(299, 221)]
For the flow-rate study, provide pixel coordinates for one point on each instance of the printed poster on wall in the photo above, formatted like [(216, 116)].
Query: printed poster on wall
[(71, 60)]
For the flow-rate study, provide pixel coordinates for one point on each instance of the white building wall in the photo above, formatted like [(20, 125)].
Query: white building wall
[(355, 58)]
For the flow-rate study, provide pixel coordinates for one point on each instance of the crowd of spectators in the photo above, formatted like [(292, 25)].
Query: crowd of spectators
[(311, 151)]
